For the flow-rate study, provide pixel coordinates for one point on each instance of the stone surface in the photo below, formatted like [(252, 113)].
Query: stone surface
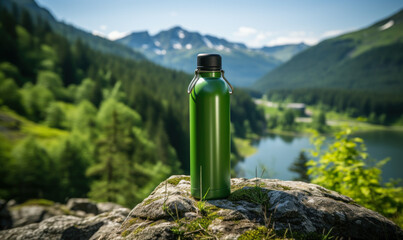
[(82, 204), (29, 214), (5, 217), (107, 207), (70, 227), (256, 206)]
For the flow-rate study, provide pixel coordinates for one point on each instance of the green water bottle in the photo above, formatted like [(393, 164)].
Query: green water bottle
[(210, 140)]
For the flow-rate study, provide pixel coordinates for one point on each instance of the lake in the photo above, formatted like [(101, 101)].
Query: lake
[(276, 153)]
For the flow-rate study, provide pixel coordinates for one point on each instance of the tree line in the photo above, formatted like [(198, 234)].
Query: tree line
[(88, 123), (378, 107)]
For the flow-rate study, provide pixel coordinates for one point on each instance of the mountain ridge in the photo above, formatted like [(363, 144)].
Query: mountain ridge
[(177, 48), (72, 33), (368, 59)]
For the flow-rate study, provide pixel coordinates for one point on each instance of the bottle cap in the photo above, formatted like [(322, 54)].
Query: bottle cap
[(209, 62)]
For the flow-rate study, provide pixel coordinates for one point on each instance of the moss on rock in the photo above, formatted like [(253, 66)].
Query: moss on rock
[(175, 181)]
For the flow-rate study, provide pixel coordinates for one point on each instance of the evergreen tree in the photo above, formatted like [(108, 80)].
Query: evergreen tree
[(55, 117), (73, 158), (300, 167), (32, 171), (319, 121)]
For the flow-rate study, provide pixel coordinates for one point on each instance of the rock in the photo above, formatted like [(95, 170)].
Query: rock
[(6, 221), (82, 204), (29, 214), (11, 203), (256, 208), (107, 207), (70, 227)]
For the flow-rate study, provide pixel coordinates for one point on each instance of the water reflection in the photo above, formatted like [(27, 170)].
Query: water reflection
[(277, 152)]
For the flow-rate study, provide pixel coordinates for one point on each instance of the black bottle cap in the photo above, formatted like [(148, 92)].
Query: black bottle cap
[(209, 62)]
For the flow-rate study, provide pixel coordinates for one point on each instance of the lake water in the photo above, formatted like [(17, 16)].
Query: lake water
[(276, 153)]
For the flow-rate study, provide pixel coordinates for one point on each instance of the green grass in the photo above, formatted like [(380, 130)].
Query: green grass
[(269, 110), (256, 195), (29, 128)]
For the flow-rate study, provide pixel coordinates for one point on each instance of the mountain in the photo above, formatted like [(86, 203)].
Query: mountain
[(72, 33), (370, 59), (177, 48)]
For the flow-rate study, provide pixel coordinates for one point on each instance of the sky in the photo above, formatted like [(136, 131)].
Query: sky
[(256, 23)]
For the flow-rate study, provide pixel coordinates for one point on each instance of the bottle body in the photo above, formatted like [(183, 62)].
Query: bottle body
[(210, 149)]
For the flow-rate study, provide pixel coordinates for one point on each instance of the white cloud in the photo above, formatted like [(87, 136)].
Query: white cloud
[(331, 33), (116, 35), (103, 27), (245, 31), (292, 40), (98, 33)]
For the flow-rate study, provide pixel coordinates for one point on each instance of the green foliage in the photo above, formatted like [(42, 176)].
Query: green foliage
[(85, 90), (73, 158), (5, 159), (287, 119), (9, 94), (245, 116), (319, 121), (84, 118), (273, 121), (345, 167), (52, 82), (32, 168), (36, 100), (55, 116)]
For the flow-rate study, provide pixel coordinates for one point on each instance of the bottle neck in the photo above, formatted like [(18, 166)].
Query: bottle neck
[(212, 74)]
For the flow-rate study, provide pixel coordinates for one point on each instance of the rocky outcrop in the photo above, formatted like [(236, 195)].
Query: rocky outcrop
[(82, 204), (34, 211), (5, 217), (256, 209), (70, 227)]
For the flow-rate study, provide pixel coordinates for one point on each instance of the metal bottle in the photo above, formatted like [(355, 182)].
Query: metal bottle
[(210, 144)]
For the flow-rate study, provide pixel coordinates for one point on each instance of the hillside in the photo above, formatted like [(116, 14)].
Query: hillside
[(177, 48), (78, 122), (370, 59), (72, 33)]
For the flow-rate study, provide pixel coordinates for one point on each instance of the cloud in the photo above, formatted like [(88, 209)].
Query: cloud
[(245, 31), (332, 33), (116, 35), (98, 33), (292, 40), (111, 35), (103, 27)]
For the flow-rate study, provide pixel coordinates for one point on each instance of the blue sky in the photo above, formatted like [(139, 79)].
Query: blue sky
[(256, 23)]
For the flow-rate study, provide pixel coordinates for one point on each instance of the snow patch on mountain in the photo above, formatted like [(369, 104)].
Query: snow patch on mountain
[(188, 46), (160, 52), (207, 42), (177, 46), (387, 25), (181, 34)]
